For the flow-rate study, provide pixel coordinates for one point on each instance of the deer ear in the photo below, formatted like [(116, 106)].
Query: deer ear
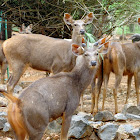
[(139, 21), (89, 18), (68, 19), (103, 49), (29, 29), (30, 26), (77, 50), (23, 26), (103, 40)]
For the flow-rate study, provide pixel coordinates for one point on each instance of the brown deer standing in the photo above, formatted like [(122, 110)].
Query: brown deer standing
[(114, 61), (132, 54), (3, 61), (42, 52), (52, 97), (121, 60)]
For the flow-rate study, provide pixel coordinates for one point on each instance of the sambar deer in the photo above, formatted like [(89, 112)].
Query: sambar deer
[(52, 97), (114, 61), (3, 61), (24, 30), (121, 59), (42, 52)]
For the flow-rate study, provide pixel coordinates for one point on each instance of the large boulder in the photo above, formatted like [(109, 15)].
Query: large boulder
[(79, 127), (120, 117), (104, 116), (108, 131), (124, 131)]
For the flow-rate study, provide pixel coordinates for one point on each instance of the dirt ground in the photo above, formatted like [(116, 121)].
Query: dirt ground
[(31, 75)]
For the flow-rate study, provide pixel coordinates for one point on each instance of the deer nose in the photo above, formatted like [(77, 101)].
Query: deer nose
[(83, 45), (82, 31), (93, 63), (96, 44)]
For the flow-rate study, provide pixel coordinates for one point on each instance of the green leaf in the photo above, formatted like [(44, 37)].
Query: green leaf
[(90, 37)]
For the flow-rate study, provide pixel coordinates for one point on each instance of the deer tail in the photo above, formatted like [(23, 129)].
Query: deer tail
[(9, 96)]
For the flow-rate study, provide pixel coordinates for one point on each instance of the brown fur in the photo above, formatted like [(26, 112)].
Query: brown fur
[(51, 97), (114, 61), (124, 61), (3, 62), (42, 52)]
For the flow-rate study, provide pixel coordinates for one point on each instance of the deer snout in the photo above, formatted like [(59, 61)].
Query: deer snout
[(96, 44), (93, 63), (82, 31)]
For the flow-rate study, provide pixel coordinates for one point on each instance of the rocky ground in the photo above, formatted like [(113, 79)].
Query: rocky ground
[(31, 75)]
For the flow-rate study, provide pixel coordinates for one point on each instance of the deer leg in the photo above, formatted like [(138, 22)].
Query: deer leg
[(106, 78), (92, 95), (117, 83), (65, 126), (15, 120), (3, 70), (81, 101), (136, 86), (97, 93), (16, 74), (36, 137), (129, 80)]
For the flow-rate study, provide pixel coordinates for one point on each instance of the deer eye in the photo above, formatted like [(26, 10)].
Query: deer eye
[(86, 54), (97, 53), (75, 24)]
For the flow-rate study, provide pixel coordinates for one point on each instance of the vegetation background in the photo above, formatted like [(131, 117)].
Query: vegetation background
[(47, 15)]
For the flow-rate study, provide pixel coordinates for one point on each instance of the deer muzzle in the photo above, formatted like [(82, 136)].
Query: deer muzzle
[(93, 63)]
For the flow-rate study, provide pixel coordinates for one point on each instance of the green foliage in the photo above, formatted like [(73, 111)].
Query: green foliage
[(47, 15)]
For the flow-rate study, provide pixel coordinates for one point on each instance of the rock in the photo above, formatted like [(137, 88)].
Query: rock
[(93, 136), (87, 116), (79, 127), (133, 117), (3, 114), (120, 117), (108, 131), (135, 133), (6, 127), (56, 137), (87, 97), (95, 125), (17, 89), (2, 122), (7, 138), (53, 127), (104, 116), (48, 138), (3, 86), (129, 108), (3, 102), (124, 131)]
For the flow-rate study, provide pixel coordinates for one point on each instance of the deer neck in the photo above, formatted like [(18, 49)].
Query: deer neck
[(77, 38), (82, 75)]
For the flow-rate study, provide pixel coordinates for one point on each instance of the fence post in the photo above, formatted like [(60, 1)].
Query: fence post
[(6, 37)]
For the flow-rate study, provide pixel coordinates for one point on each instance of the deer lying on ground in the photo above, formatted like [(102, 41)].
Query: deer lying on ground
[(3, 61), (121, 60), (52, 97), (42, 52)]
